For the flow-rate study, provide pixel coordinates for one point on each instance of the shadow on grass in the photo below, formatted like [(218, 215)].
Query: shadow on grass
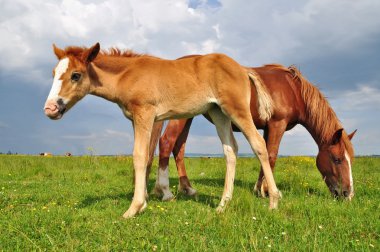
[(211, 199), (90, 200)]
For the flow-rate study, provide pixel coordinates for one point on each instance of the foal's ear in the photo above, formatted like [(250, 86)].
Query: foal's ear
[(336, 137), (350, 136), (90, 54), (58, 52)]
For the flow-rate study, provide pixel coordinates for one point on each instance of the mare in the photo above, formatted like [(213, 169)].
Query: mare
[(149, 89), (295, 101)]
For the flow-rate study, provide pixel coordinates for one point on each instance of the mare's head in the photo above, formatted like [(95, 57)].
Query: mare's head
[(334, 161), (71, 79)]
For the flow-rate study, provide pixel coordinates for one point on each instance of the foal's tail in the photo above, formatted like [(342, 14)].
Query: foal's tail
[(264, 100)]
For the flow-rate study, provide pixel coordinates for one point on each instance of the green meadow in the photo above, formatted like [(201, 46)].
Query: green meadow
[(76, 204)]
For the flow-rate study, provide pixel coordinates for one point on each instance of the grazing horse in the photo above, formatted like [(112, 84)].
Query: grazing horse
[(295, 101), (149, 89)]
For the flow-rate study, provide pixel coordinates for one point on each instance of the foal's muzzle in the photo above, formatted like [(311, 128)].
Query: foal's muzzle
[(55, 109)]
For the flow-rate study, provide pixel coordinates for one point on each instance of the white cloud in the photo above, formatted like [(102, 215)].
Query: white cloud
[(252, 32), (366, 96)]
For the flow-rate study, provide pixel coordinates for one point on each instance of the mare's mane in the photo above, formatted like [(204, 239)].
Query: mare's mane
[(318, 110)]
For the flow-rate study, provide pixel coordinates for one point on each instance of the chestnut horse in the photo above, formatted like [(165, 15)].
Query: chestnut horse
[(149, 89), (296, 101)]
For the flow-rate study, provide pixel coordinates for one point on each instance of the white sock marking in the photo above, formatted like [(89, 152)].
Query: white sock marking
[(163, 183)]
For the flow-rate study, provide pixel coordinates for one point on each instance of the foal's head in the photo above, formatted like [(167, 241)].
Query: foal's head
[(334, 161), (71, 79)]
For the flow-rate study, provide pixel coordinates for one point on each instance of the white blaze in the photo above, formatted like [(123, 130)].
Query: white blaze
[(351, 180), (57, 82)]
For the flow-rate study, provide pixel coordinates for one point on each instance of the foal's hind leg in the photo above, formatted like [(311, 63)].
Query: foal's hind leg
[(243, 120), (223, 127), (273, 136)]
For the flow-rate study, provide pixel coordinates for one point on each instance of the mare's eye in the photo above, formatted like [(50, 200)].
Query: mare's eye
[(337, 161), (75, 77)]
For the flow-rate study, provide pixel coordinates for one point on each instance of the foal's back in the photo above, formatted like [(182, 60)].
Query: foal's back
[(191, 85)]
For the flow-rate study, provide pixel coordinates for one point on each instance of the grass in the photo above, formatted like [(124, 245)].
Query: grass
[(76, 203)]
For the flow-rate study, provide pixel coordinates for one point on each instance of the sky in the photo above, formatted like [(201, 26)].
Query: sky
[(335, 44)]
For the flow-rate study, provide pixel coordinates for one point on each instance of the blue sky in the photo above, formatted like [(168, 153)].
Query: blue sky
[(336, 44)]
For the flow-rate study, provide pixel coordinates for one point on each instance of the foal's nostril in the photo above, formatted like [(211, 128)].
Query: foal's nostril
[(60, 102)]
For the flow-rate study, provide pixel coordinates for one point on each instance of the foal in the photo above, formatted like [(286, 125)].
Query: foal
[(149, 89)]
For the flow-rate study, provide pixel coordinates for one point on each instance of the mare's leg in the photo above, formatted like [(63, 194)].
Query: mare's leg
[(142, 125), (223, 127), (167, 142), (156, 133), (273, 135), (179, 153)]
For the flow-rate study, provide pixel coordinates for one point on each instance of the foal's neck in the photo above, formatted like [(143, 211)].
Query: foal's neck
[(105, 74)]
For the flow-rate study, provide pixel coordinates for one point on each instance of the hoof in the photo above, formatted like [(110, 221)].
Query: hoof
[(274, 199), (167, 196), (220, 209), (129, 214), (157, 191), (132, 211), (256, 190), (189, 191)]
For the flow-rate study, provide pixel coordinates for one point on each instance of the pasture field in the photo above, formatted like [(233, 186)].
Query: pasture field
[(76, 203)]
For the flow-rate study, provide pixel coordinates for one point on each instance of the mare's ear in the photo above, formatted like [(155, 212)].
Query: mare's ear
[(350, 136), (90, 54), (58, 52), (336, 137)]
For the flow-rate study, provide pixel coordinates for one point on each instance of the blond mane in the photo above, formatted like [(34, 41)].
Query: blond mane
[(113, 51)]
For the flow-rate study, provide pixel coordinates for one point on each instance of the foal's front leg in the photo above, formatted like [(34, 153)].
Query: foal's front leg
[(142, 124), (230, 148)]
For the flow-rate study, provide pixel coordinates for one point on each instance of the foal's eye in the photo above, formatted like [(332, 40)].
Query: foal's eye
[(75, 77)]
